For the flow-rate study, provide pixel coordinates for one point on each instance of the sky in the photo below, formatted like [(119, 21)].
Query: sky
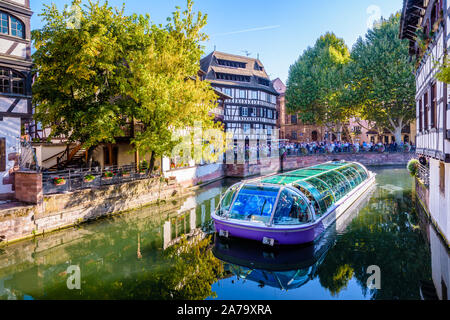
[(278, 31)]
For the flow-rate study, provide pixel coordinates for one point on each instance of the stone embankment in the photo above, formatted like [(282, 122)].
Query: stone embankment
[(38, 214)]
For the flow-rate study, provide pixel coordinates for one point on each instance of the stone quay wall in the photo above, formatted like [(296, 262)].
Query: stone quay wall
[(367, 159), (42, 214), (273, 165)]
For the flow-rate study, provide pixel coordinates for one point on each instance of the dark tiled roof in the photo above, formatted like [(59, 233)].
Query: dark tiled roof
[(412, 12), (210, 66)]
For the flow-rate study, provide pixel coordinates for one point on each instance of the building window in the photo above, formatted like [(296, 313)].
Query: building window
[(233, 64), (442, 177), (258, 67), (294, 119), (254, 95), (242, 94), (2, 154), (232, 77), (4, 24), (16, 28), (434, 106), (264, 82), (228, 92), (11, 25), (11, 82), (427, 108), (244, 111), (420, 116), (274, 99), (294, 135), (270, 114), (246, 127)]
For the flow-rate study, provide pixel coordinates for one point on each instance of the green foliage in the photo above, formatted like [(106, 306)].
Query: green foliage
[(383, 83), (443, 74), (385, 233), (79, 73), (89, 178), (117, 71), (413, 167), (316, 82)]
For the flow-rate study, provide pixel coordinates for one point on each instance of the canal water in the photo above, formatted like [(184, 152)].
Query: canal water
[(383, 241)]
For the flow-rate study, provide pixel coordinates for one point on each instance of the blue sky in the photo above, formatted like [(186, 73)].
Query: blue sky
[(279, 31)]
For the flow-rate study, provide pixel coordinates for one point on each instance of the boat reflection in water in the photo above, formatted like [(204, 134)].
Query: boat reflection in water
[(283, 267)]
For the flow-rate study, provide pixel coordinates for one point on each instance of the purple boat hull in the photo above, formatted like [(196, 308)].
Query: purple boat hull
[(281, 236)]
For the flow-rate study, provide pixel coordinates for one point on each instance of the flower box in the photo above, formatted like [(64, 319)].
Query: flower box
[(108, 175), (89, 178), (59, 181)]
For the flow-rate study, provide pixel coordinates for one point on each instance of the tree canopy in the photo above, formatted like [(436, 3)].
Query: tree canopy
[(112, 71), (316, 80), (382, 78), (328, 85)]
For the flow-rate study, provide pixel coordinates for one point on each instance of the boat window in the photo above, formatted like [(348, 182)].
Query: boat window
[(361, 171), (292, 209), (255, 204), (326, 193), (313, 195), (352, 175), (227, 200)]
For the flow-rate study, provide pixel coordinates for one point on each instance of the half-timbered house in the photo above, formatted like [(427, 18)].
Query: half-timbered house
[(251, 114), (425, 23), (15, 84)]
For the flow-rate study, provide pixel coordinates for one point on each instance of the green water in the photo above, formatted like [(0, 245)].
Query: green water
[(143, 255)]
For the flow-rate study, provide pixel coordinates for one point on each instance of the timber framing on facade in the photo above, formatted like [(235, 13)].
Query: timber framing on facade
[(433, 112), (253, 104), (15, 85), (428, 19)]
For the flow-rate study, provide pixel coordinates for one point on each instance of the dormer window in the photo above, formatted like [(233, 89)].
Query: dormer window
[(232, 77), (233, 64), (258, 67), (11, 26)]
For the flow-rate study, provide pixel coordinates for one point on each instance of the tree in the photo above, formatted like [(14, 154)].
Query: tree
[(165, 94), (79, 73), (316, 83), (382, 79), (113, 72)]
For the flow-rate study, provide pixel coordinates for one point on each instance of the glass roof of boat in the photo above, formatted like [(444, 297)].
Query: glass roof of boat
[(324, 184)]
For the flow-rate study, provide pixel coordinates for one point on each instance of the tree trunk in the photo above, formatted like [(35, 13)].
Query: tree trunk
[(90, 154), (152, 162), (398, 134)]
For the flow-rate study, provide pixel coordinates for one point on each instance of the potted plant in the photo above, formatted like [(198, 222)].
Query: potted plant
[(354, 148), (126, 174), (108, 175), (413, 167), (89, 178), (380, 148), (59, 181), (406, 147)]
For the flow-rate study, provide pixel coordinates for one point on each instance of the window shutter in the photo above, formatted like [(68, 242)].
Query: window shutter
[(2, 154)]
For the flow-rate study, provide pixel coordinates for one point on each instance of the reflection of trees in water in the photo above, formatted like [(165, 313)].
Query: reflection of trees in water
[(185, 271), (384, 234), (121, 257)]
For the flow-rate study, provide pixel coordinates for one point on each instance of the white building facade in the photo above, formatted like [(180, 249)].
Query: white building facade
[(430, 19), (15, 85)]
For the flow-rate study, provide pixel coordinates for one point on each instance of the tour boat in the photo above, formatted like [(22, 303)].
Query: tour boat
[(291, 208)]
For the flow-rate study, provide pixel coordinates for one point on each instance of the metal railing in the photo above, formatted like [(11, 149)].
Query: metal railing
[(423, 174), (83, 178), (296, 152)]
